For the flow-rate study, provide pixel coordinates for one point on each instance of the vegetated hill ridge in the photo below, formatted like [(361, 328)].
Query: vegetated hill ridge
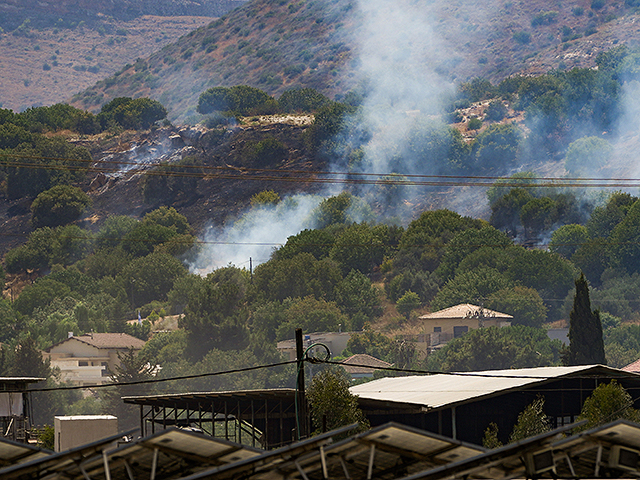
[(278, 44)]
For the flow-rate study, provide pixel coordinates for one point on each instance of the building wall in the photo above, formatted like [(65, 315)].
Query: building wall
[(78, 430), (75, 347)]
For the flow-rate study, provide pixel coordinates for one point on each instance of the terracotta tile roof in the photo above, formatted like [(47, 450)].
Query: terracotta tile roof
[(464, 310), (632, 367), (362, 359), (110, 340)]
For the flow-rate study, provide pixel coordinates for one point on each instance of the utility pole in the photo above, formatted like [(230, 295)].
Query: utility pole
[(302, 401)]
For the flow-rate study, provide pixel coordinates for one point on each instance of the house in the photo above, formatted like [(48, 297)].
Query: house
[(358, 365), (335, 341), (632, 367), (455, 321), (91, 358)]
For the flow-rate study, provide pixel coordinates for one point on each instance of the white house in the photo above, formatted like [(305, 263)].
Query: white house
[(91, 358)]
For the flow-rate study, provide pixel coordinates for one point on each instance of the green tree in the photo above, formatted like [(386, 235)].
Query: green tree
[(358, 298), (496, 110), (496, 149), (266, 152), (496, 348), (421, 243), (28, 362), (131, 368), (297, 277), (585, 330), (265, 198), (608, 402), (53, 161), (505, 211), (359, 247), (604, 219), (39, 295), (343, 209), (434, 143), (237, 100), (150, 278), (407, 303), (490, 439), (301, 100), (625, 240), (59, 205), (524, 304), (473, 286), (538, 215), (316, 242), (466, 243), (136, 114), (312, 315), (332, 404), (216, 316), (567, 239), (587, 156), (531, 421)]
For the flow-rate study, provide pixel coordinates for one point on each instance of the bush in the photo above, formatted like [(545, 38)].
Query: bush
[(407, 303), (266, 152), (238, 100), (522, 37), (136, 114), (302, 100), (59, 205), (496, 111), (474, 124)]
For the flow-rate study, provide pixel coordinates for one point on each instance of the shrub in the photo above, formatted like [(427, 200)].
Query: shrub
[(474, 124), (59, 205), (522, 37)]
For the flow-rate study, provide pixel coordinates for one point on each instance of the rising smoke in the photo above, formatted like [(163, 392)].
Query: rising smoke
[(397, 56)]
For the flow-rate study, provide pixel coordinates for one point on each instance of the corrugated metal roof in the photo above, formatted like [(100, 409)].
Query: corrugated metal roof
[(465, 310), (436, 391)]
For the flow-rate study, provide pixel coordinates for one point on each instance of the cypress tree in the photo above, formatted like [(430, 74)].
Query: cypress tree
[(586, 345)]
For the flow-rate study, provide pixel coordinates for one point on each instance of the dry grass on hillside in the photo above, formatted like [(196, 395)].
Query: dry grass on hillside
[(48, 66)]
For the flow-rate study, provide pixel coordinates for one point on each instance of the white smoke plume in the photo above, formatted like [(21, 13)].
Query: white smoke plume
[(397, 55), (254, 235), (398, 52)]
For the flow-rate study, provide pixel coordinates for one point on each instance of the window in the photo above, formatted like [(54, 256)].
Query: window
[(83, 364), (459, 331), (437, 329), (566, 420)]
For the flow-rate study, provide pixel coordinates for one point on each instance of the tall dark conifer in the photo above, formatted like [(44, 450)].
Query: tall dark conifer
[(586, 345)]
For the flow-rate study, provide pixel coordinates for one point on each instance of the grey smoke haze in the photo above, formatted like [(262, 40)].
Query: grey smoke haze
[(254, 235), (397, 53)]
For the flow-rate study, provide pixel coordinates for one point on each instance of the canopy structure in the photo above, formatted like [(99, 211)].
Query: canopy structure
[(260, 418)]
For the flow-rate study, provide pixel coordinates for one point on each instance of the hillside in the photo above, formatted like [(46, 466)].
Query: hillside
[(45, 66), (68, 13), (276, 45)]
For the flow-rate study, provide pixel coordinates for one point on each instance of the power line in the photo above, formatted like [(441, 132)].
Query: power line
[(303, 176), (161, 380), (290, 362)]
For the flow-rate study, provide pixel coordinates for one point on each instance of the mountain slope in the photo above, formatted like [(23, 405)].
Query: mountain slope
[(279, 44)]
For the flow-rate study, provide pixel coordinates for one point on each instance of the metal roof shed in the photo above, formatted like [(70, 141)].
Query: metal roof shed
[(461, 405), (262, 418)]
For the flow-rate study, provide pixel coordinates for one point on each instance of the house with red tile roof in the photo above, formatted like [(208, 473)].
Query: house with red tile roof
[(90, 359)]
